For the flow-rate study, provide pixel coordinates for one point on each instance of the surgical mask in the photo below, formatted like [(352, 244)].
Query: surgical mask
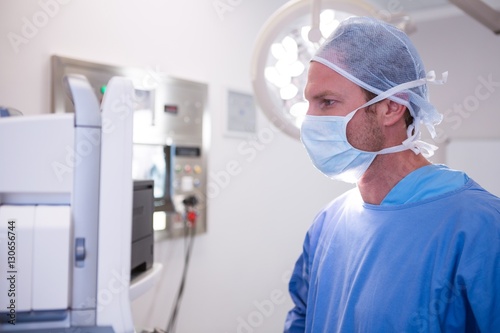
[(325, 139)]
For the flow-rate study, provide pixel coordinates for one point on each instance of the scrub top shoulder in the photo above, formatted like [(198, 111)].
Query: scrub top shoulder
[(426, 182)]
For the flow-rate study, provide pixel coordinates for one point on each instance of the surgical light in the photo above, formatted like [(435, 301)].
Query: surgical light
[(288, 92)]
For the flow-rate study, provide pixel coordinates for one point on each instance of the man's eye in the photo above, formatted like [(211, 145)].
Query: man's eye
[(327, 102)]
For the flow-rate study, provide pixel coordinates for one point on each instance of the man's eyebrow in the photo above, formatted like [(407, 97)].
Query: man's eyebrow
[(323, 93)]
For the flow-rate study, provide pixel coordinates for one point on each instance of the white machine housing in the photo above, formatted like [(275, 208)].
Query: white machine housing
[(66, 183)]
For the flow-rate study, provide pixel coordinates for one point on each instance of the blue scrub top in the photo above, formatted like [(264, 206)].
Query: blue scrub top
[(426, 260)]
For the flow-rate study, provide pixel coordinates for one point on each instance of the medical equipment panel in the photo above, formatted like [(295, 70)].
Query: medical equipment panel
[(171, 135), (66, 215)]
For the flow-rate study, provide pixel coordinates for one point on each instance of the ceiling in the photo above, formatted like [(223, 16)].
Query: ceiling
[(485, 11), (410, 6)]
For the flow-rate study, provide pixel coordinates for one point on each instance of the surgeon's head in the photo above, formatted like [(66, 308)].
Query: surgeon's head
[(370, 83), (377, 57)]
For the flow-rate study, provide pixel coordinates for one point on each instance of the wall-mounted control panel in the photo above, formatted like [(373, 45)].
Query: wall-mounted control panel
[(171, 136)]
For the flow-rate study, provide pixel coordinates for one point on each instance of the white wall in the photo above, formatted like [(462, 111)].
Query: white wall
[(470, 53), (257, 223)]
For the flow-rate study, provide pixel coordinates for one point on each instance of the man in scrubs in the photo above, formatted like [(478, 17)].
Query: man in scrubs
[(415, 247)]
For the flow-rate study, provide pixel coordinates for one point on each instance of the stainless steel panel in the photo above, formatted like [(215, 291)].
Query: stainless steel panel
[(168, 111)]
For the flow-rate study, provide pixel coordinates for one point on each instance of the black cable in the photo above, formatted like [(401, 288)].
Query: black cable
[(175, 309)]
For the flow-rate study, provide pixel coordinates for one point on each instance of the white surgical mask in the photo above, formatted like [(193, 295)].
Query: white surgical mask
[(325, 140)]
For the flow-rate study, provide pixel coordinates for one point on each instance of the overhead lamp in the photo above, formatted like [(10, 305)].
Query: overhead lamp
[(285, 45)]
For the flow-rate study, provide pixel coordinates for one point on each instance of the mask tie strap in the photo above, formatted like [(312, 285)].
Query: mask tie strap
[(430, 77), (412, 143), (394, 90), (413, 135)]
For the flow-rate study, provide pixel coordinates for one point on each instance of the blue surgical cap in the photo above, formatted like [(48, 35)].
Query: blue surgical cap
[(378, 56)]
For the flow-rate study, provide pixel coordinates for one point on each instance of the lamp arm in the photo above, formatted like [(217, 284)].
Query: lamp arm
[(314, 34)]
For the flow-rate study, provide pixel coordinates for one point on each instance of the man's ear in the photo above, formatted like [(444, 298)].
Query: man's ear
[(392, 112)]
